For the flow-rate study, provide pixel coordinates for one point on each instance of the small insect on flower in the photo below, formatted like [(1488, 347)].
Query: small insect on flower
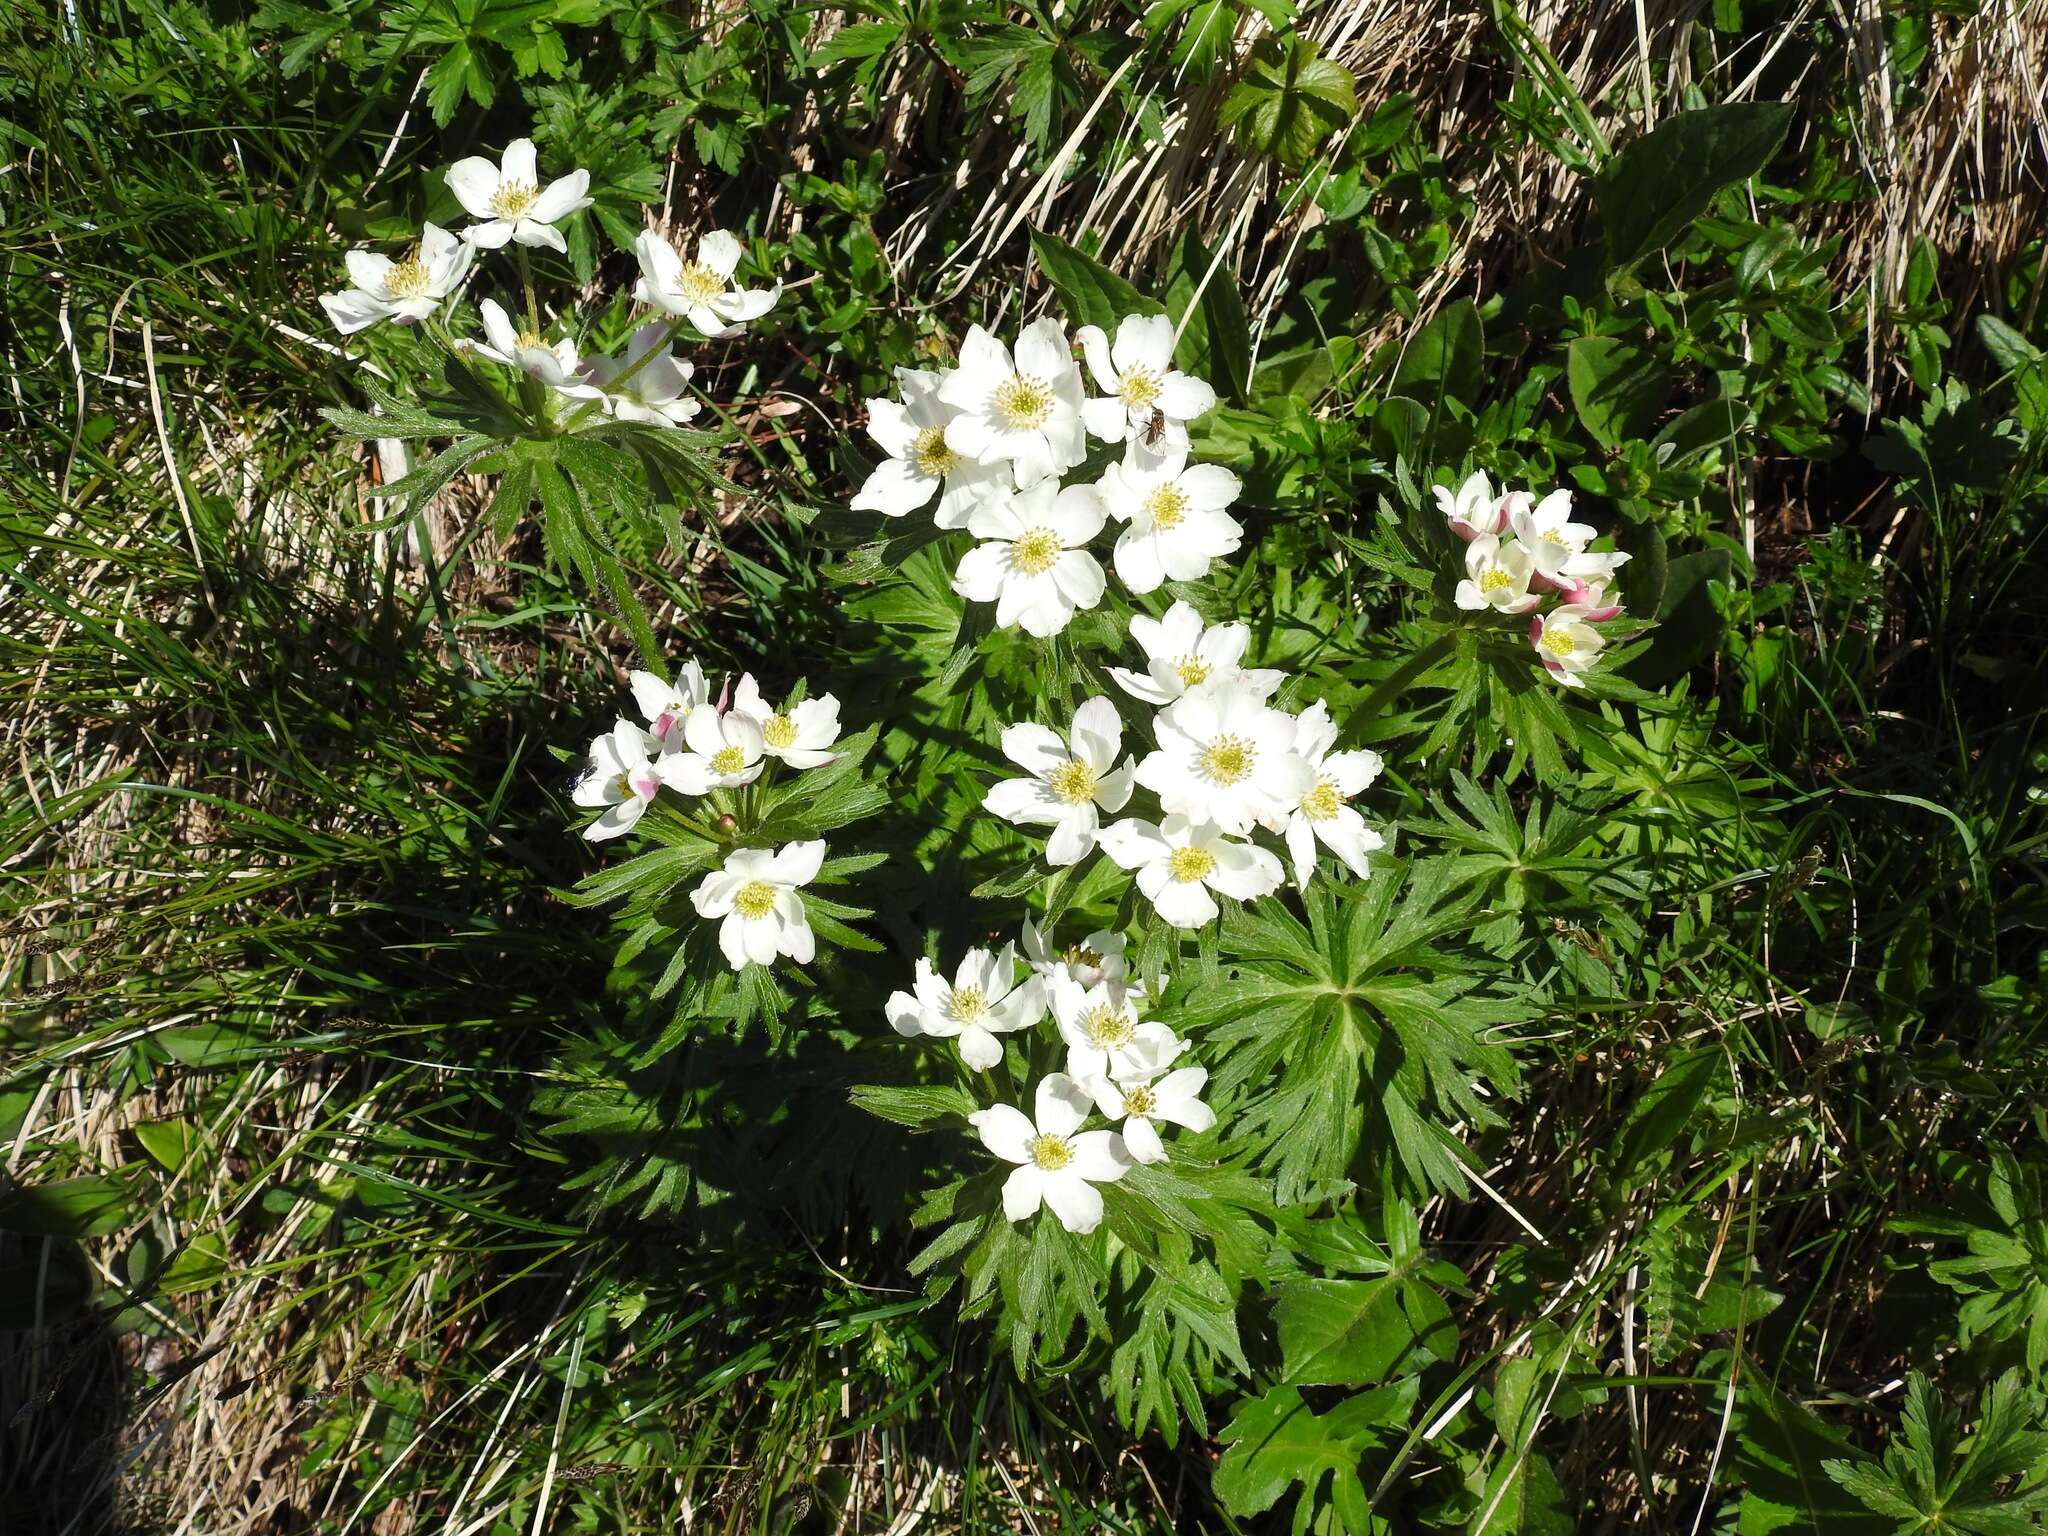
[(755, 898), (920, 462), (621, 778), (798, 733), (1181, 653), (1033, 563), (1058, 1164), (1179, 863), (984, 999), (511, 202), (1143, 393), (1072, 782), (403, 291), (701, 291)]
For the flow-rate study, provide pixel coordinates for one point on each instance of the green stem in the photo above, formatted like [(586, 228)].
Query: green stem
[(526, 282), (632, 368), (1405, 674)]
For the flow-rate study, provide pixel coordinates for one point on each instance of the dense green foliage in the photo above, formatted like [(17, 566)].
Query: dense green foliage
[(1655, 1140)]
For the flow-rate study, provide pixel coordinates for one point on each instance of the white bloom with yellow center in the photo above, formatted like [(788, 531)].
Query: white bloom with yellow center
[(1026, 409), (662, 703), (1568, 639), (1146, 1093), (657, 391), (1141, 389), (1225, 755), (1172, 511), (718, 751), (797, 733), (403, 291), (1497, 575), (1557, 546), (1072, 781), (755, 895), (510, 200), (621, 778), (1098, 957), (554, 363), (1321, 810), (1181, 653), (701, 291), (913, 435), (1473, 509), (1180, 862), (1032, 563), (984, 999), (1058, 1163), (1103, 1032)]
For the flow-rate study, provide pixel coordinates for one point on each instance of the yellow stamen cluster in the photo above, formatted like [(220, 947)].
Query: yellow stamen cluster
[(1140, 389), (969, 1004), (1036, 552), (1188, 865), (1107, 1027), (1558, 642), (407, 279), (1051, 1152), (1021, 403), (514, 198), (1073, 782), (756, 899), (728, 760), (698, 283), (1495, 580), (1139, 1101), (1192, 670), (1227, 760), (931, 455), (1167, 507), (1322, 802), (779, 731)]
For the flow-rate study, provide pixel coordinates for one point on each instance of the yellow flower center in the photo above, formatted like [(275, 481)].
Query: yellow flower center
[(1139, 1101), (1107, 1027), (1495, 580), (514, 198), (1558, 642), (1073, 782), (1036, 552), (969, 1004), (1322, 802), (756, 899), (931, 455), (698, 283), (1051, 1152), (728, 760), (1081, 955), (622, 786), (1167, 507), (779, 731), (1140, 389), (1227, 760), (407, 278), (1021, 403), (1193, 671), (1188, 865)]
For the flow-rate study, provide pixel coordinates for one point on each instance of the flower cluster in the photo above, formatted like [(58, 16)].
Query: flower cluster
[(646, 382), (991, 438), (1517, 551), (696, 747)]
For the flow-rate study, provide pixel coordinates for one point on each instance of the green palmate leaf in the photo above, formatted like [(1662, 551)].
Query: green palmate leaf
[(1359, 1332), (1289, 100), (1277, 1441), (1659, 184), (1092, 294), (1619, 390)]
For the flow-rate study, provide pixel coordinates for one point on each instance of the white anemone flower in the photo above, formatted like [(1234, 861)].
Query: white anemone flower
[(755, 894), (1103, 1032), (1032, 563), (984, 999), (1172, 511), (912, 433), (701, 291), (1473, 509), (1141, 387), (554, 363), (621, 777), (510, 200), (1557, 545), (657, 391), (1098, 957), (798, 734), (1026, 410), (1568, 639), (1497, 575), (1182, 653), (1225, 755), (403, 291), (662, 703), (1321, 812), (1058, 1164), (1179, 862), (718, 751), (1072, 782), (1149, 1094)]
